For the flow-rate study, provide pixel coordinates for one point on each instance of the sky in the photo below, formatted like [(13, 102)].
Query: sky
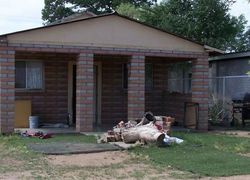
[(16, 15)]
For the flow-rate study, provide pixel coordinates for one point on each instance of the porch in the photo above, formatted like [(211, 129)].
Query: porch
[(100, 89)]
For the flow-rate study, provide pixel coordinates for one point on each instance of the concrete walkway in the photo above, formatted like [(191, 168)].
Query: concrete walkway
[(69, 130), (59, 148)]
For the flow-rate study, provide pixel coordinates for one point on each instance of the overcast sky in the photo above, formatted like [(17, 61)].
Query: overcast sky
[(18, 15)]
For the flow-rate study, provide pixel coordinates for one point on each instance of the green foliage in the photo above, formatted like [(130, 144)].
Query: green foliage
[(203, 154), (216, 111), (208, 22), (58, 9), (55, 10), (128, 10)]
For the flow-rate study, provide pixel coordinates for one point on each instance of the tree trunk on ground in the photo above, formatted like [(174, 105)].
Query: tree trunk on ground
[(147, 133)]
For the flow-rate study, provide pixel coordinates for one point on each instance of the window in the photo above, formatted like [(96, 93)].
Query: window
[(149, 82), (29, 75), (180, 78)]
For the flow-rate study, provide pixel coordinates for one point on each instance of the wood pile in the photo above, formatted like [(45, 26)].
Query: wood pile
[(149, 129)]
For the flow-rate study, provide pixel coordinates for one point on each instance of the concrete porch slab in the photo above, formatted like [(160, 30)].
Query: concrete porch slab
[(60, 148), (70, 130)]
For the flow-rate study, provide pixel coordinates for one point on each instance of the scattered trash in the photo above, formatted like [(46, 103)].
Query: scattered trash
[(37, 134), (148, 129), (170, 140)]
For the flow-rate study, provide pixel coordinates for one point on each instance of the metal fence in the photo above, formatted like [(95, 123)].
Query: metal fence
[(223, 92), (225, 88), (229, 88)]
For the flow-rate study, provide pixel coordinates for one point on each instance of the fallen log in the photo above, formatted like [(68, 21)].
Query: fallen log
[(147, 133)]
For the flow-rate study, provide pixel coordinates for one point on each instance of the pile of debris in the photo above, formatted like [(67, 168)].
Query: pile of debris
[(149, 129)]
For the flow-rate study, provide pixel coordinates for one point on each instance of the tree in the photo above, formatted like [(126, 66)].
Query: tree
[(129, 10), (241, 42), (208, 22), (58, 9), (55, 10)]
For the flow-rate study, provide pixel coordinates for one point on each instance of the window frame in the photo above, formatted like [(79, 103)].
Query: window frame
[(43, 76)]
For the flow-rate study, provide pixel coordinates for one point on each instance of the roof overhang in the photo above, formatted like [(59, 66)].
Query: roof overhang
[(245, 54), (213, 51)]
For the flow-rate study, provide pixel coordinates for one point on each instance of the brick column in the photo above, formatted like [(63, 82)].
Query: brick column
[(136, 87), (7, 91), (200, 92), (85, 92)]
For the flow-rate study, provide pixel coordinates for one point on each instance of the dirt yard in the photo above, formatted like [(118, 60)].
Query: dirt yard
[(105, 165), (237, 133), (99, 166), (17, 161)]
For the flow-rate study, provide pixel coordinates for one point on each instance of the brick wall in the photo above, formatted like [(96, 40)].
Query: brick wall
[(174, 105), (114, 96), (84, 92), (7, 92), (200, 89), (158, 100), (154, 101), (136, 87), (50, 104)]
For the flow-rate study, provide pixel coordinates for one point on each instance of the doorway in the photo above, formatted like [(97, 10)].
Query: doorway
[(97, 93)]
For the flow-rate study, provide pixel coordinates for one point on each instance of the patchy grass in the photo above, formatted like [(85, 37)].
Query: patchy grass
[(16, 157), (203, 154), (200, 155)]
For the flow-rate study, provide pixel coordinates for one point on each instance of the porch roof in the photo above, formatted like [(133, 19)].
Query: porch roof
[(109, 30)]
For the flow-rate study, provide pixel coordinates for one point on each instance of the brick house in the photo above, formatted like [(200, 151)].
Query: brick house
[(101, 70)]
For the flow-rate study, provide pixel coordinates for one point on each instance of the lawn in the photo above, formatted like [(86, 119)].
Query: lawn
[(200, 155), (203, 154)]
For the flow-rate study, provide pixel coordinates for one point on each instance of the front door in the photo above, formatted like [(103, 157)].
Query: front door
[(96, 91), (73, 105), (97, 94)]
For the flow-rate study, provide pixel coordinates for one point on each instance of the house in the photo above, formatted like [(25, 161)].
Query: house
[(229, 75), (101, 70)]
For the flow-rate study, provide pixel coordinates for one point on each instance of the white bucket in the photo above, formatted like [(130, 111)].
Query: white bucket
[(33, 122)]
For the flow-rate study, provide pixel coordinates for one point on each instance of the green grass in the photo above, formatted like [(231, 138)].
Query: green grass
[(199, 155), (203, 154)]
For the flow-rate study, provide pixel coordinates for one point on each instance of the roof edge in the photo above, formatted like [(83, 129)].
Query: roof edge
[(206, 47), (212, 49), (57, 24), (243, 54)]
